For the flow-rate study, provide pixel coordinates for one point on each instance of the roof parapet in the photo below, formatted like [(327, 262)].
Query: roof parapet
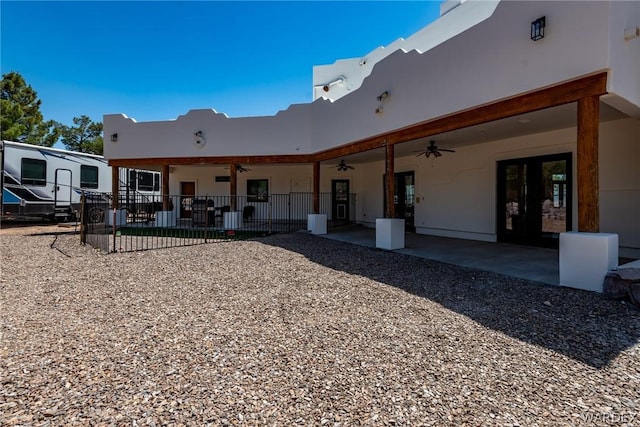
[(448, 5)]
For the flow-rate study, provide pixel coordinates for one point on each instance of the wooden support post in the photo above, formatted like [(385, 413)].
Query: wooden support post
[(233, 186), (115, 187), (389, 161), (165, 188), (316, 187), (587, 153)]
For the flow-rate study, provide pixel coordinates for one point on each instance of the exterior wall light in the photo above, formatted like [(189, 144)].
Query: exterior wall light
[(379, 110), (114, 137), (631, 33), (537, 29), (340, 80), (382, 96), (198, 139)]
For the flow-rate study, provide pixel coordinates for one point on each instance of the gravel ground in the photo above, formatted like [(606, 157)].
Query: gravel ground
[(299, 330)]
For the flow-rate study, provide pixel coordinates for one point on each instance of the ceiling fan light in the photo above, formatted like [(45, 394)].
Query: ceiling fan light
[(342, 166)]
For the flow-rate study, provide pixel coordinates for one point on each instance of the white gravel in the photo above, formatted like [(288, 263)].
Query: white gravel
[(299, 330)]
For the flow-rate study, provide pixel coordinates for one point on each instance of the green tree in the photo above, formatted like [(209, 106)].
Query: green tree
[(20, 116), (85, 136)]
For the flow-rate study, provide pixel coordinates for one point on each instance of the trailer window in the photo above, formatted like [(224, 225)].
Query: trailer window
[(34, 172), (88, 176), (145, 181)]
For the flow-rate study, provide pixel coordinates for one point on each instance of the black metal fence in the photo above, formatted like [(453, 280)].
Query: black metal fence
[(144, 222)]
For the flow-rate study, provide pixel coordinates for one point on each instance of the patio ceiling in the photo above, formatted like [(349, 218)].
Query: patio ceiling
[(560, 117)]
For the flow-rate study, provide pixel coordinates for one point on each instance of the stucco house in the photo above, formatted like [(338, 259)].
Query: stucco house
[(537, 101)]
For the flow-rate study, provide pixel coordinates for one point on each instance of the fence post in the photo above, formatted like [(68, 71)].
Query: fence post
[(83, 219), (270, 212), (114, 229), (206, 216)]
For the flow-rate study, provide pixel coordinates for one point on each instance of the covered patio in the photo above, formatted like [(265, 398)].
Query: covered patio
[(525, 262), (537, 264)]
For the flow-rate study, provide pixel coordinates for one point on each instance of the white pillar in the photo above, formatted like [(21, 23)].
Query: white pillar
[(317, 223), (166, 219), (390, 233), (120, 217), (232, 220), (585, 259)]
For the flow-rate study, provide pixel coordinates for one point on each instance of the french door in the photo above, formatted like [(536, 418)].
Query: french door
[(534, 199), (403, 197), (340, 201), (187, 193)]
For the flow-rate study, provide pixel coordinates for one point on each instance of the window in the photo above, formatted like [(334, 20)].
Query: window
[(257, 190), (145, 181), (88, 176), (34, 172)]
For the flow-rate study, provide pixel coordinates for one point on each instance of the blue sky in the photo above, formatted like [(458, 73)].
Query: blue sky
[(155, 60)]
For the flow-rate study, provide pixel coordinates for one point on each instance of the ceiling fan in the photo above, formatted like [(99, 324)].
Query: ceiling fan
[(240, 168), (342, 166), (432, 148)]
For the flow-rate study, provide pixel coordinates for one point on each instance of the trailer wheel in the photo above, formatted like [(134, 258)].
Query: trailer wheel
[(96, 215)]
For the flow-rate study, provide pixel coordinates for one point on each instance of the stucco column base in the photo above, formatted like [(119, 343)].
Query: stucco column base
[(165, 219), (120, 217), (389, 233), (317, 223), (585, 259), (232, 220)]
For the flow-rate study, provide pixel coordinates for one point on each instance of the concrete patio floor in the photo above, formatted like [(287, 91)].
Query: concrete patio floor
[(525, 262)]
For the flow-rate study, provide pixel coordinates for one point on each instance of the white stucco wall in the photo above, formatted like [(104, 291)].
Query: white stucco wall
[(619, 158), (493, 60), (355, 70), (282, 179), (286, 133), (624, 78)]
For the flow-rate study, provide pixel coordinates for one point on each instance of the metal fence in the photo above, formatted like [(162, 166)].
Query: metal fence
[(152, 222)]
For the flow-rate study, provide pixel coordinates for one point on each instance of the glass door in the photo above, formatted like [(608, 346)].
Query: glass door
[(403, 197), (340, 201), (515, 207), (534, 199), (187, 193), (555, 195)]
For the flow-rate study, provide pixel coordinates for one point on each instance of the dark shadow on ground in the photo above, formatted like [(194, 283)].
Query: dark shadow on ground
[(53, 233), (579, 324)]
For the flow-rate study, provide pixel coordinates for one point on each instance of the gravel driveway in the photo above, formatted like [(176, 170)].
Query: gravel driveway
[(300, 330)]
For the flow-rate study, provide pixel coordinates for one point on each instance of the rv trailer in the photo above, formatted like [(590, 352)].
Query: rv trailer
[(43, 182)]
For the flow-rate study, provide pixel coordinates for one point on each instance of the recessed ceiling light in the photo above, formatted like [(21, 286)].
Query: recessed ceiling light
[(523, 120)]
